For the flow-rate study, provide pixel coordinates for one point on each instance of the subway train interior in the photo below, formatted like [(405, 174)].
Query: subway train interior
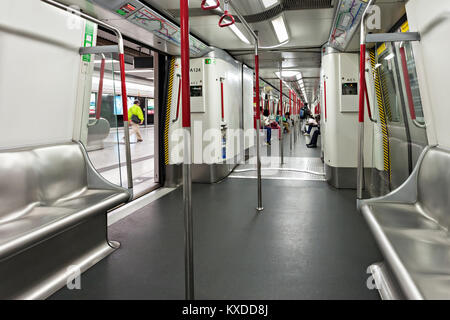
[(224, 150)]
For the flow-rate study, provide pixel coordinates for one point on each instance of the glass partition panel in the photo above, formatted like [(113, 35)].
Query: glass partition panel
[(412, 82), (140, 88), (387, 70), (399, 135), (105, 119)]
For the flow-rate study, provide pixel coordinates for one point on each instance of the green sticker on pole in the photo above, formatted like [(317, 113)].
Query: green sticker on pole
[(88, 39)]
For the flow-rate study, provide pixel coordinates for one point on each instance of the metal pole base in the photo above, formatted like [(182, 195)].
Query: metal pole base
[(188, 218), (258, 166), (260, 209)]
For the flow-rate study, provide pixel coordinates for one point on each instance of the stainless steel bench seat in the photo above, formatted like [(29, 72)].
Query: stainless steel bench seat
[(402, 216), (411, 227), (53, 216)]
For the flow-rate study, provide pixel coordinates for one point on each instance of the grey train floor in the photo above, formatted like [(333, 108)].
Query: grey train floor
[(309, 243)]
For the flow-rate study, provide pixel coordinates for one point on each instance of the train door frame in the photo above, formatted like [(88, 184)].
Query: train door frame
[(418, 131), (402, 129), (403, 116)]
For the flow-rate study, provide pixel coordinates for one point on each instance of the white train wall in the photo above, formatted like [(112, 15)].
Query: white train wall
[(43, 49), (211, 161), (340, 119), (431, 19)]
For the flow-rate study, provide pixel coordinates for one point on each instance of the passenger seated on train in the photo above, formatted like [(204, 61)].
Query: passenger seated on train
[(312, 123), (278, 117), (275, 126), (266, 123), (315, 137)]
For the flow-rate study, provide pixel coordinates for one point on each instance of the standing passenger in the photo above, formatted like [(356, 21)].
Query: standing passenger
[(137, 117), (286, 121), (266, 122)]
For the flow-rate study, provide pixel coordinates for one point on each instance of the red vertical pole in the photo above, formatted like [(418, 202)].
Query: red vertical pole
[(281, 98), (290, 101), (258, 112), (362, 81), (185, 85), (255, 106), (221, 99), (362, 91), (325, 97), (187, 176), (100, 90), (293, 103), (123, 86), (259, 207)]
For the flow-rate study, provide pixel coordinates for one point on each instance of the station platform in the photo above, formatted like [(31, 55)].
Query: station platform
[(107, 160)]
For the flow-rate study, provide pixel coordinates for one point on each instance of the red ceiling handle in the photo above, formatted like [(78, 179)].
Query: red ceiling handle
[(226, 14), (325, 97), (205, 7)]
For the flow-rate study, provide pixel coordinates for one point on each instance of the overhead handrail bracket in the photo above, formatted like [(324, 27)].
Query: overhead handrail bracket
[(392, 37), (99, 49)]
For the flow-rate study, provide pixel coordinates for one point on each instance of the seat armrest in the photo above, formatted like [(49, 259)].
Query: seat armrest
[(407, 192), (96, 181)]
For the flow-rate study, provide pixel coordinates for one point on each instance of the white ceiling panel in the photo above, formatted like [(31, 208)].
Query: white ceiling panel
[(308, 30)]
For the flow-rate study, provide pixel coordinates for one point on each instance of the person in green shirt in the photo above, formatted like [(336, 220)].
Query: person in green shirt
[(136, 117)]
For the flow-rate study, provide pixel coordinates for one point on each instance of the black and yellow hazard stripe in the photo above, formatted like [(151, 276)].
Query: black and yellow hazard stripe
[(387, 102), (383, 113), (168, 113)]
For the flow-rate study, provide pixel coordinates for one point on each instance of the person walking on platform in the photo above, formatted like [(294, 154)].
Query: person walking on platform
[(136, 116)]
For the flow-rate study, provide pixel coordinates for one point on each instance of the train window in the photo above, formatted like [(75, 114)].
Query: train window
[(388, 82), (413, 82)]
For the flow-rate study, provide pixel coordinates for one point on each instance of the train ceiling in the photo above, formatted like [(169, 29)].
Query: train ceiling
[(309, 24)]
